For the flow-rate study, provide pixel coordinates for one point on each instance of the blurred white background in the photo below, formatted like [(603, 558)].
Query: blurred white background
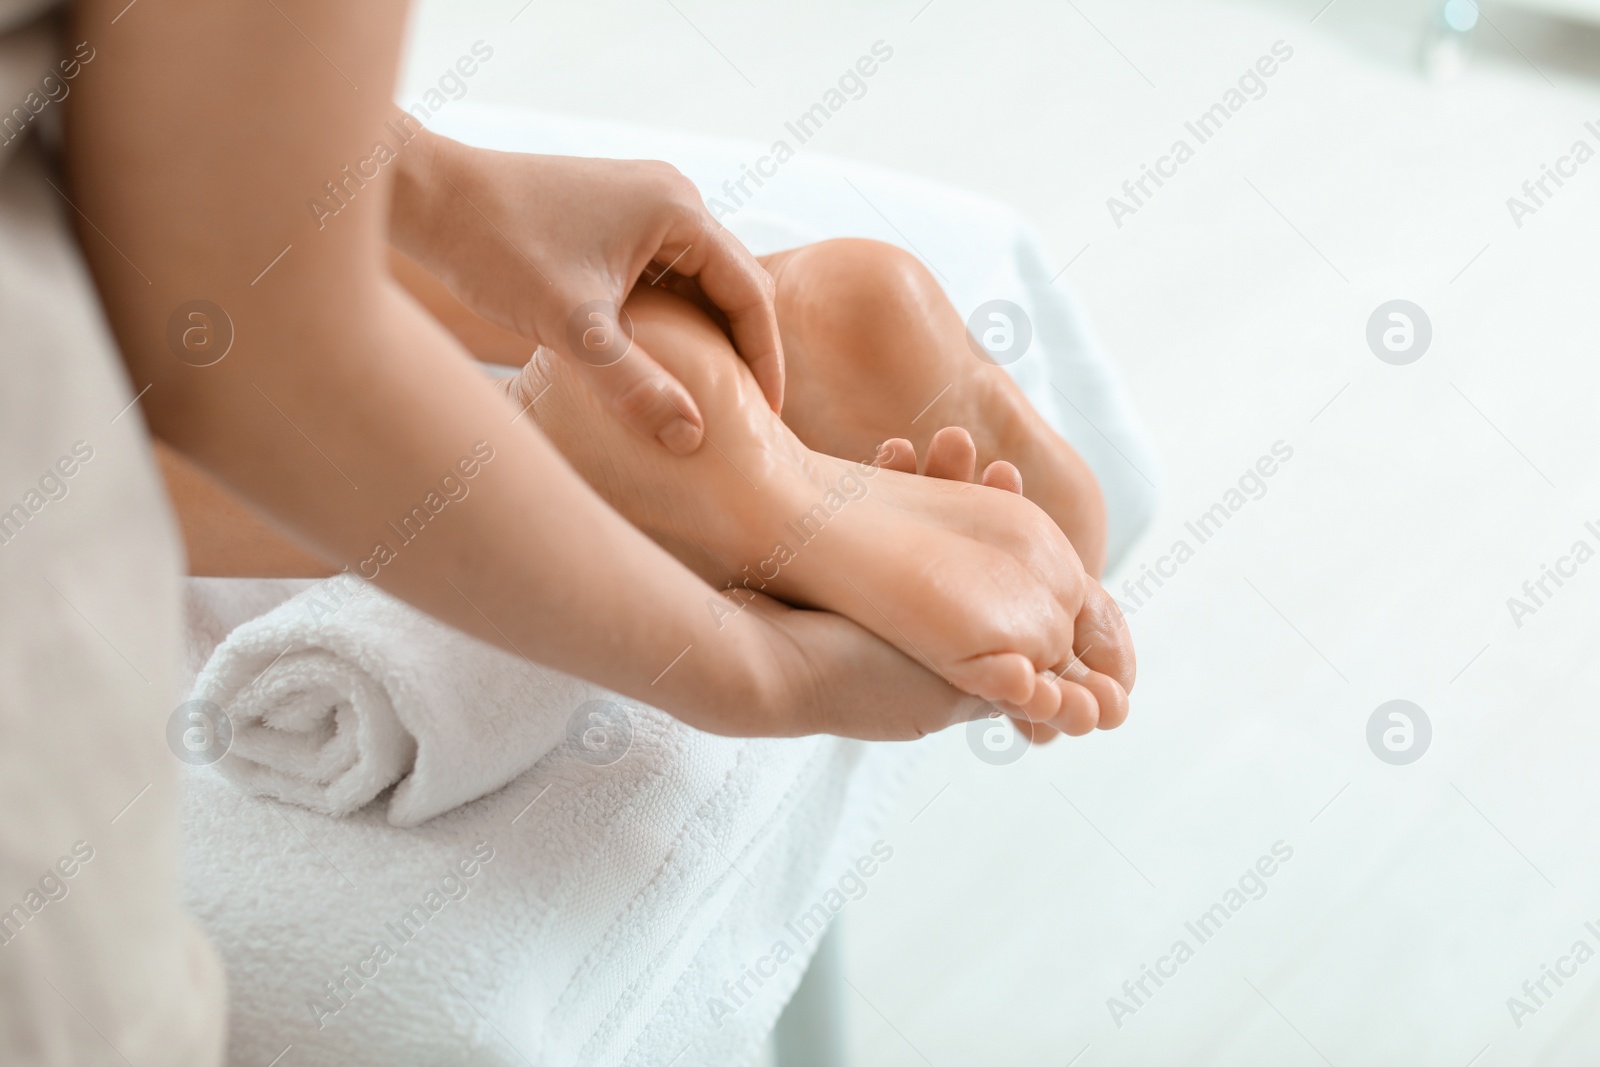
[(1377, 566)]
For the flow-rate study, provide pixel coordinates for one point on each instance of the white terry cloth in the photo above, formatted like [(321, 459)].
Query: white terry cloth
[(620, 908), (343, 691), (980, 251)]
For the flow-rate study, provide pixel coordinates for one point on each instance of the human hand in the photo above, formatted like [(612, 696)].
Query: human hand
[(550, 246), (822, 673)]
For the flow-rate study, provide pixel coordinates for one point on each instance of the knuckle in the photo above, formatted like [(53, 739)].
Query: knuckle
[(671, 182), (660, 169)]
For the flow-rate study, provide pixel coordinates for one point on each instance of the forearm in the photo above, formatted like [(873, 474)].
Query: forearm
[(519, 552), (222, 536), (441, 222), (341, 407), (225, 537)]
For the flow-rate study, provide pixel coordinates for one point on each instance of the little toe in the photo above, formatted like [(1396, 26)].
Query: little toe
[(1037, 733), (897, 454), (952, 455), (1003, 476)]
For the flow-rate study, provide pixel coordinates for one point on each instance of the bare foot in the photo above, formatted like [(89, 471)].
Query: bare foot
[(977, 583), (952, 455), (875, 350)]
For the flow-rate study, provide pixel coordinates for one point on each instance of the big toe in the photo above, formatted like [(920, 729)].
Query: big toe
[(1101, 638), (952, 455)]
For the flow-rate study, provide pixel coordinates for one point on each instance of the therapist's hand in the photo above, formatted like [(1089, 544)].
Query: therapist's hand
[(550, 246)]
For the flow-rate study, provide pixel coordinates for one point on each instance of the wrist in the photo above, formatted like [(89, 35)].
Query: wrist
[(421, 195), (742, 688)]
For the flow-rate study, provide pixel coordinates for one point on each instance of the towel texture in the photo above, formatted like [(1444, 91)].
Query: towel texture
[(343, 691), (591, 912)]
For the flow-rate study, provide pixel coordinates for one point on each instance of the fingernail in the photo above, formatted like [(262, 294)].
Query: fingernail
[(680, 437)]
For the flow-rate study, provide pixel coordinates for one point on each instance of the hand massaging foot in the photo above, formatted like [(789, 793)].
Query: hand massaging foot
[(875, 350), (977, 583)]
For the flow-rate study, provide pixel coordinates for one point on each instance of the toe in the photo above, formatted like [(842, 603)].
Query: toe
[(997, 676), (1003, 476), (1101, 638), (1037, 733), (1109, 696), (952, 455), (1080, 712), (897, 454), (1045, 703)]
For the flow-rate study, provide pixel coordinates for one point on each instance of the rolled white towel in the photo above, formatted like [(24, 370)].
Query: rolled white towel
[(342, 691)]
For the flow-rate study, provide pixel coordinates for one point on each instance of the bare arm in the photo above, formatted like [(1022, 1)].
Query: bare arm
[(195, 144)]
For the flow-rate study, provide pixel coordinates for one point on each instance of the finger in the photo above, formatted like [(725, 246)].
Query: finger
[(686, 287), (951, 455), (897, 454), (1003, 476), (740, 287), (636, 388)]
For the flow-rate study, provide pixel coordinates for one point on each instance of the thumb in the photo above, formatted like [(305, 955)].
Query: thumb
[(599, 343)]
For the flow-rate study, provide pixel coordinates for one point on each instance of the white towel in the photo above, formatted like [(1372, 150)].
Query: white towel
[(343, 691), (619, 909)]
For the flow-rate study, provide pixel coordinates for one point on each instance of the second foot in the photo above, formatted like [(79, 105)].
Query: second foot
[(876, 350)]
